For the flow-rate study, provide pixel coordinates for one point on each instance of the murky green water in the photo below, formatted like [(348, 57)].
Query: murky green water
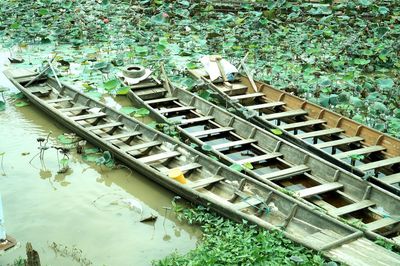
[(96, 210)]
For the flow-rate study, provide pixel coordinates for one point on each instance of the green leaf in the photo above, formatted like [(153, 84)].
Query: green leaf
[(2, 106), (277, 131), (17, 96), (66, 139), (191, 65), (385, 84), (128, 110), (43, 11), (248, 166), (383, 10), (379, 107), (111, 84), (15, 26), (206, 147), (357, 102), (365, 2), (94, 95), (361, 61), (141, 112), (236, 167), (21, 104), (123, 90), (141, 50)]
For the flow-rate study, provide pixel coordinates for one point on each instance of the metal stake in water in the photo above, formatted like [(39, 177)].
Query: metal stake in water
[(2, 229)]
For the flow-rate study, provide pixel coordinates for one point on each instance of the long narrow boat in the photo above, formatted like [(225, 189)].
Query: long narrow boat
[(209, 182), (332, 136), (272, 160)]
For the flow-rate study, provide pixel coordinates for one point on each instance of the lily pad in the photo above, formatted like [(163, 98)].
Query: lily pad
[(277, 131), (236, 167), (21, 104), (128, 110), (142, 112)]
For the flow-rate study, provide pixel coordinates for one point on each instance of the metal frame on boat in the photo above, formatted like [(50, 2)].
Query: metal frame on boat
[(338, 139), (230, 193), (274, 161)]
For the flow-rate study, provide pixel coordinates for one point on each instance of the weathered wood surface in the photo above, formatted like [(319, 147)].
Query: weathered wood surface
[(301, 220), (322, 177), (304, 120)]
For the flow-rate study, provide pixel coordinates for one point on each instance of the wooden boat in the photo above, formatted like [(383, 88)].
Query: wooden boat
[(209, 182), (338, 139), (272, 160)]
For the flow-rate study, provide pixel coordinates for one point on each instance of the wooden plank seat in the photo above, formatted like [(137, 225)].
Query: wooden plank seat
[(365, 150), (381, 223), (353, 207), (285, 173), (211, 131), (88, 116), (141, 146), (175, 109), (59, 100), (391, 179), (196, 120), (233, 144), (247, 202), (204, 182), (396, 239), (247, 96), (161, 100), (158, 157), (265, 105), (285, 114), (106, 125), (128, 134), (320, 189), (259, 158), (320, 133), (74, 108), (381, 163), (234, 89), (338, 142), (189, 167), (307, 123)]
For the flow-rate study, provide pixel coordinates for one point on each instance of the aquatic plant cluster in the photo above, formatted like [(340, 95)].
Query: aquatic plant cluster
[(343, 55), (225, 242)]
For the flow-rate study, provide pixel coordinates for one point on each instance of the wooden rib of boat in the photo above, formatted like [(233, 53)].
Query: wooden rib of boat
[(275, 161), (338, 139), (209, 182)]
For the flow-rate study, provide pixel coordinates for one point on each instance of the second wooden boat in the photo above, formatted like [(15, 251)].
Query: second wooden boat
[(272, 160), (338, 139), (232, 194)]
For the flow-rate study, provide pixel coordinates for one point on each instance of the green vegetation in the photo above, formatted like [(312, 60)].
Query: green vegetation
[(343, 55), (226, 242)]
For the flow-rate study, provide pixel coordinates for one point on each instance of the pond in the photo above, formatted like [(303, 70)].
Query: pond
[(89, 214)]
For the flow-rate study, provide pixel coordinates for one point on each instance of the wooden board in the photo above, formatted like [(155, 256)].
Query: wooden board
[(319, 133), (158, 157), (378, 224), (259, 158), (204, 182), (211, 131), (265, 105), (233, 144), (302, 124), (308, 192), (107, 125), (285, 173), (381, 163), (356, 206), (338, 142), (286, 114), (365, 150)]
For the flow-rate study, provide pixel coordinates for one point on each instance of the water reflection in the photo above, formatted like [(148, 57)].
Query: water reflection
[(43, 206)]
